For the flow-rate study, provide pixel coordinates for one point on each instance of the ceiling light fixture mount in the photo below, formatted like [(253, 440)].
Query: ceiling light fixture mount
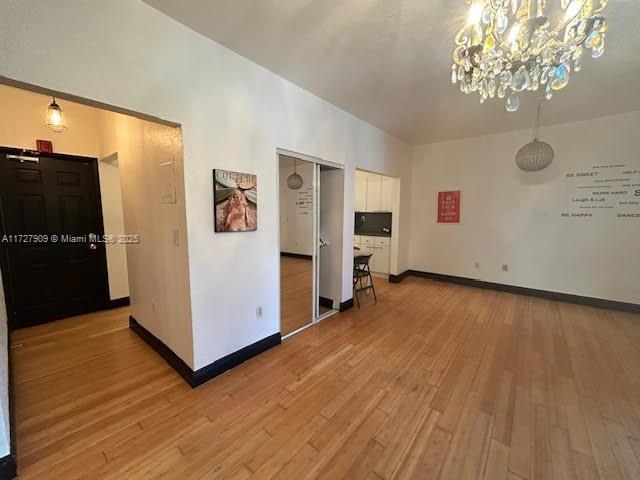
[(511, 46)]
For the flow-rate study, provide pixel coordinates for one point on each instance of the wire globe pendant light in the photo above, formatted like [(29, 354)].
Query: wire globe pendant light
[(295, 182), (536, 155)]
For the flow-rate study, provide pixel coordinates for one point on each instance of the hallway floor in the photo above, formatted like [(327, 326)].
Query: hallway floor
[(435, 381)]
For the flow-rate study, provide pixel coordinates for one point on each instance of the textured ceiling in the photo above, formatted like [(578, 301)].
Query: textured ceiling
[(388, 61)]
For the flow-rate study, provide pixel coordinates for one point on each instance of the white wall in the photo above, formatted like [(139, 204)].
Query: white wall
[(158, 266), (296, 221), (509, 217), (234, 115), (24, 123), (5, 436)]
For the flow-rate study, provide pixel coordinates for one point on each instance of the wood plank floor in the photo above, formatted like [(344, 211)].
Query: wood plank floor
[(435, 381), (296, 283)]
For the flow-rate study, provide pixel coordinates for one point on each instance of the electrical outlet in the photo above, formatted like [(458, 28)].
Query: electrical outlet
[(259, 312), (477, 264), (505, 267)]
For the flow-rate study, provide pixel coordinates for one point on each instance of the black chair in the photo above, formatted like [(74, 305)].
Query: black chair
[(361, 271)]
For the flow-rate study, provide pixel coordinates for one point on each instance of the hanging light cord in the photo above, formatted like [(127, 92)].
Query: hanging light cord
[(536, 127)]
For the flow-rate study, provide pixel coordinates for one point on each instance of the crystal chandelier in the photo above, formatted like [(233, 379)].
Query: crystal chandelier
[(511, 46)]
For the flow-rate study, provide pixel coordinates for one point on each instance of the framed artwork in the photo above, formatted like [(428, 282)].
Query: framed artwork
[(449, 207), (235, 197)]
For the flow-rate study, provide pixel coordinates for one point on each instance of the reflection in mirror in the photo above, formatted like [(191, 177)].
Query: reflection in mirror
[(296, 244)]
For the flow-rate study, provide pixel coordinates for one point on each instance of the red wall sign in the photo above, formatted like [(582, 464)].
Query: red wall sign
[(44, 146), (449, 207)]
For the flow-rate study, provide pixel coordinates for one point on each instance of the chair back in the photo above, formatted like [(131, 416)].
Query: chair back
[(361, 262)]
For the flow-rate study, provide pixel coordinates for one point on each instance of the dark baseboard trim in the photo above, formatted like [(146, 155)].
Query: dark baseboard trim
[(346, 305), (296, 255), (119, 302), (325, 302), (8, 468), (214, 369), (398, 278), (531, 292), (161, 349), (203, 374)]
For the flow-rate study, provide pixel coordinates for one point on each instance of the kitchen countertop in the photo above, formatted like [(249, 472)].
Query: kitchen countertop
[(387, 235)]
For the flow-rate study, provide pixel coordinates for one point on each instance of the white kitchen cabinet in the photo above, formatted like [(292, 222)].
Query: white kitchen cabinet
[(382, 255), (374, 193), (380, 247), (361, 192), (382, 241), (374, 187), (386, 194), (367, 244), (373, 263)]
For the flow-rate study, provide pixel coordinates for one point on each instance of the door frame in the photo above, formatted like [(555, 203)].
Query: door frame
[(316, 162), (4, 257)]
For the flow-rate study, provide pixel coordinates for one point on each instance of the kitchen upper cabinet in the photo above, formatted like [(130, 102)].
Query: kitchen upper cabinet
[(374, 185), (361, 192), (374, 193), (386, 194)]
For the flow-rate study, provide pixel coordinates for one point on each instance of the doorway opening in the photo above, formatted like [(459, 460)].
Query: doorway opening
[(376, 226), (91, 218), (73, 212), (54, 260), (311, 231)]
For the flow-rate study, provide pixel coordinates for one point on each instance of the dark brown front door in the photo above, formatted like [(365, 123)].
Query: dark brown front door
[(52, 265)]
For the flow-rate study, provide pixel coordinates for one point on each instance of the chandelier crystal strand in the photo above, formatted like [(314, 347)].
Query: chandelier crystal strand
[(525, 45)]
